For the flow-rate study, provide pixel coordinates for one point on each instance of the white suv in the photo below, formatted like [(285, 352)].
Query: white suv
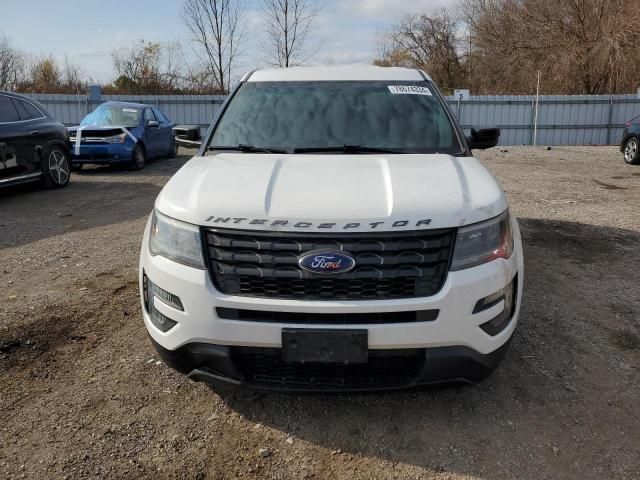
[(334, 233)]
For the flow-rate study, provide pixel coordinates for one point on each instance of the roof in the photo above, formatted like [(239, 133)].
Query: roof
[(296, 74), (16, 95), (126, 104), (28, 99)]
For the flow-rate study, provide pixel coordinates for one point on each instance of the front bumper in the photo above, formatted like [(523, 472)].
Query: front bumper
[(218, 365), (103, 153), (453, 345)]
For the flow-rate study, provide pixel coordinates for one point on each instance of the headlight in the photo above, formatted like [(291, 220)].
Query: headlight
[(116, 138), (175, 240), (483, 242)]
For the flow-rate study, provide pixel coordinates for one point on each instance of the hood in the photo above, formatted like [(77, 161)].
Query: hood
[(103, 129), (331, 193)]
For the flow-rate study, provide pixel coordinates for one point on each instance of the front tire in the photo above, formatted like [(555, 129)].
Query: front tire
[(632, 151), (139, 158), (56, 167)]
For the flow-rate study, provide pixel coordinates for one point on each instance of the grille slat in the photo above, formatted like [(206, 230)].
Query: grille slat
[(367, 258), (384, 244), (388, 265)]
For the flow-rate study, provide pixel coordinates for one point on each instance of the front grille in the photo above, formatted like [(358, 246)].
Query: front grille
[(388, 265), (384, 368), (373, 318)]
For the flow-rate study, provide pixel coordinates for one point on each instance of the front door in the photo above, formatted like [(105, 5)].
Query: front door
[(151, 132), (15, 154), (34, 131), (165, 132)]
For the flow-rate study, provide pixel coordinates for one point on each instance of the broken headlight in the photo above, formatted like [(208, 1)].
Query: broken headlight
[(116, 138)]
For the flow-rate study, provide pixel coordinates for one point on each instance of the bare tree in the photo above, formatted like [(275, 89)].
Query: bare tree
[(147, 67), (72, 77), (216, 26), (581, 46), (46, 75), (426, 42), (288, 24), (11, 65)]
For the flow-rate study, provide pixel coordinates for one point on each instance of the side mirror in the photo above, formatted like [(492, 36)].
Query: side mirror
[(153, 124), (483, 138)]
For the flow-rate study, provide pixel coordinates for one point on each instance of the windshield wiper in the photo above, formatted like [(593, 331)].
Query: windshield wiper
[(348, 149), (248, 149)]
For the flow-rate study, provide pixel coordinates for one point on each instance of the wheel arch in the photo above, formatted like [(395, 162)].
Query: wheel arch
[(53, 143), (40, 149), (141, 141)]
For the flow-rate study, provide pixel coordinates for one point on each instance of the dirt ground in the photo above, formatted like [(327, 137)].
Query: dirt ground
[(83, 394)]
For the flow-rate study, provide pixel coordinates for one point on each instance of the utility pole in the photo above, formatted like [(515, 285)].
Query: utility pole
[(469, 59), (535, 123)]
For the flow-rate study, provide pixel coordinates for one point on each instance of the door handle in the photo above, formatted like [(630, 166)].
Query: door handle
[(35, 132)]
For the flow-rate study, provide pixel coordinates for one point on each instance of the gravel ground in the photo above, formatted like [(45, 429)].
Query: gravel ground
[(83, 394)]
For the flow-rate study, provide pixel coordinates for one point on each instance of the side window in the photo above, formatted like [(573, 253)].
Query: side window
[(31, 110), (161, 116), (24, 115), (8, 112), (148, 115), (26, 110)]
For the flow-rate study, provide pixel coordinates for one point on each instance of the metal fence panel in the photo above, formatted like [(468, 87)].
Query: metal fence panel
[(562, 119)]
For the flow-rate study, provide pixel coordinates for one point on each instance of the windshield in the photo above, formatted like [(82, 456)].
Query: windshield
[(113, 115), (405, 117)]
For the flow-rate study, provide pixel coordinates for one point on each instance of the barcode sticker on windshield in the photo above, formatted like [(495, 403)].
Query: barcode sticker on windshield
[(130, 110), (409, 90)]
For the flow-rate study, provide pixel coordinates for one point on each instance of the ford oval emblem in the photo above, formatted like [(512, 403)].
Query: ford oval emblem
[(326, 262)]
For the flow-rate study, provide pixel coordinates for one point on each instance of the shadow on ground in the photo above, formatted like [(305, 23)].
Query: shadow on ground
[(29, 213), (156, 166), (566, 391)]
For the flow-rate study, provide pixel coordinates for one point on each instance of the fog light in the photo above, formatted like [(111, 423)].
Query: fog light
[(151, 291), (500, 321), (167, 297)]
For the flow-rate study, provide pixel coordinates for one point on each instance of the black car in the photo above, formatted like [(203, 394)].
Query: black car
[(33, 145), (630, 144)]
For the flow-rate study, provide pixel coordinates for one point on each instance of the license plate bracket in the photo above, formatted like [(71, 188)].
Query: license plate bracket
[(325, 345)]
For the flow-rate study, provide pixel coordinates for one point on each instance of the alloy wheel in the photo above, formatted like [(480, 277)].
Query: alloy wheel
[(630, 150), (58, 167)]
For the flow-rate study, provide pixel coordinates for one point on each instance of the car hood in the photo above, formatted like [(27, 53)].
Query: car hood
[(104, 129), (356, 193)]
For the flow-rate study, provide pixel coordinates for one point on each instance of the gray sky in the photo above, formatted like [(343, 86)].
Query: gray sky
[(86, 31)]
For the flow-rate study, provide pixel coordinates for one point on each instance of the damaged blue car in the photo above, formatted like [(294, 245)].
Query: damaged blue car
[(121, 132)]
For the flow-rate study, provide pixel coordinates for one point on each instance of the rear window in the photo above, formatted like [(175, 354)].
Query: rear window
[(8, 112), (404, 116)]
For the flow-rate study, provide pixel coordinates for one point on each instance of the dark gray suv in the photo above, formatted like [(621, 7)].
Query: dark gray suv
[(630, 143), (33, 145)]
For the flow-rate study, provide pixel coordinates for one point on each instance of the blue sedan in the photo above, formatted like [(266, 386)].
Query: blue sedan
[(119, 132)]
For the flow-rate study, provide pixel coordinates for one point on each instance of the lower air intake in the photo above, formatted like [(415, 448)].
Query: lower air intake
[(384, 368)]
